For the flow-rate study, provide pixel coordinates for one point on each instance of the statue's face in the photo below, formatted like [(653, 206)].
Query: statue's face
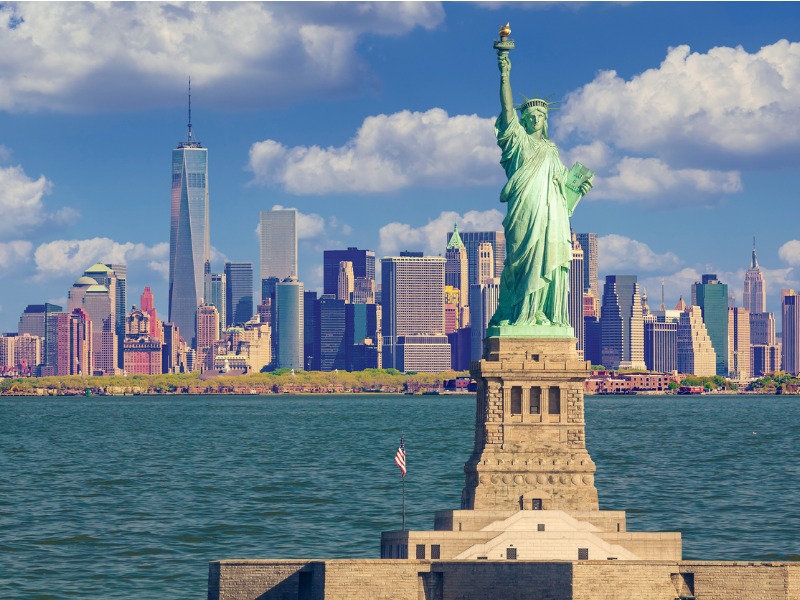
[(533, 119)]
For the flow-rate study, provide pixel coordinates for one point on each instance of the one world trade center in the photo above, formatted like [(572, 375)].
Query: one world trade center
[(189, 240)]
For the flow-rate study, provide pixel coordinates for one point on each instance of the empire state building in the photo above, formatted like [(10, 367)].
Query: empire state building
[(189, 239)]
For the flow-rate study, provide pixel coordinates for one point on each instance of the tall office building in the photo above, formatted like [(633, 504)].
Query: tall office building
[(739, 344), (622, 323), (790, 331), (754, 293), (588, 242), (279, 243), (762, 329), (712, 297), (575, 301), (660, 344), (33, 318), (456, 271), (189, 235), (364, 290), (485, 262), (362, 336), (311, 331), (696, 355), (289, 324), (483, 299), (238, 293), (141, 352), (332, 346), (69, 349), (413, 301), (208, 334), (346, 282), (215, 293), (99, 303), (472, 241), (363, 266), (147, 305)]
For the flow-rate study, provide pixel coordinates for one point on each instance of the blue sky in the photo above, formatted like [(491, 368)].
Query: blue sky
[(375, 122)]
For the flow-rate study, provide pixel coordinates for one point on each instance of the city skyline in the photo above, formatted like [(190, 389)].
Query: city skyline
[(694, 210)]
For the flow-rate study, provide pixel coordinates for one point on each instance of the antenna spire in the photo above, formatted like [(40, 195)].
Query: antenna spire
[(190, 110), (662, 307)]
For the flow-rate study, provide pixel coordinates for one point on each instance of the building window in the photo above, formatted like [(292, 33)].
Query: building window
[(420, 550), (583, 554), (540, 527), (516, 400), (536, 504), (554, 401), (536, 400), (511, 554), (436, 551)]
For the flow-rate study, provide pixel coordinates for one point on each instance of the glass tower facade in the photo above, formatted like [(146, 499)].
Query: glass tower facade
[(189, 236), (238, 293), (712, 297)]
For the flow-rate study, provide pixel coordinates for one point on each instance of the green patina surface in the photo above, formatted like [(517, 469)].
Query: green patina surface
[(541, 194)]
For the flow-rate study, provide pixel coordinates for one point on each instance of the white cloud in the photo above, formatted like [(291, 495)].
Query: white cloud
[(21, 205), (387, 153), (618, 253), (71, 257), (726, 105), (13, 253), (652, 180), (431, 238), (89, 56), (790, 252)]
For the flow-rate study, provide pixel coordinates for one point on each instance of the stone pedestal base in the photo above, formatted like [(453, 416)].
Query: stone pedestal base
[(530, 450)]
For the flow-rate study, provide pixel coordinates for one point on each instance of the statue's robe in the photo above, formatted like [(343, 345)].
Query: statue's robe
[(535, 283)]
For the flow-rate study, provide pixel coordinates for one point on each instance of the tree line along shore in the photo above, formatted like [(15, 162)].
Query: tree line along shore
[(281, 381)]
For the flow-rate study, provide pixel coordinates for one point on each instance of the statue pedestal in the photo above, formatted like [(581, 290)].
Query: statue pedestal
[(530, 450)]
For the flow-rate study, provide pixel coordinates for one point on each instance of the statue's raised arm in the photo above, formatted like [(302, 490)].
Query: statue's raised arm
[(507, 112)]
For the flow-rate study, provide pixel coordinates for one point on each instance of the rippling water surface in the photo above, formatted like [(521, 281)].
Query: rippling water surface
[(131, 497)]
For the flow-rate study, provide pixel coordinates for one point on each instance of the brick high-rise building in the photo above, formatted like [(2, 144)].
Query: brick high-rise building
[(363, 266), (207, 335), (739, 344), (696, 355), (346, 282), (575, 302), (472, 241)]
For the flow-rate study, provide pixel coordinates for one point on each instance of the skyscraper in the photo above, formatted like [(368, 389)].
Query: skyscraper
[(413, 301), (472, 241), (696, 354), (332, 347), (147, 305), (622, 323), (588, 242), (456, 272), (189, 235), (712, 297), (660, 344), (207, 335), (483, 299), (575, 301), (33, 319), (754, 294), (485, 262), (238, 293), (289, 323), (346, 282), (790, 331), (279, 243), (215, 293), (363, 266), (739, 344)]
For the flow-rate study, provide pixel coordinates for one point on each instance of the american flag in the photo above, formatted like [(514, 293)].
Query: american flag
[(400, 457)]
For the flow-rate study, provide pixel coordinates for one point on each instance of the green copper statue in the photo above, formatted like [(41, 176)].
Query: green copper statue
[(541, 194)]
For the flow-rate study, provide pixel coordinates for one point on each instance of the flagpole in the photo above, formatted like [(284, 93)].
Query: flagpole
[(404, 502)]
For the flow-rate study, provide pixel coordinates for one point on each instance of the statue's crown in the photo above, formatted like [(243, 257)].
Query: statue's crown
[(540, 102)]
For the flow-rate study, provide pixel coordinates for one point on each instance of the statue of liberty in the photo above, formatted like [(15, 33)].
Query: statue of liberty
[(541, 194)]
